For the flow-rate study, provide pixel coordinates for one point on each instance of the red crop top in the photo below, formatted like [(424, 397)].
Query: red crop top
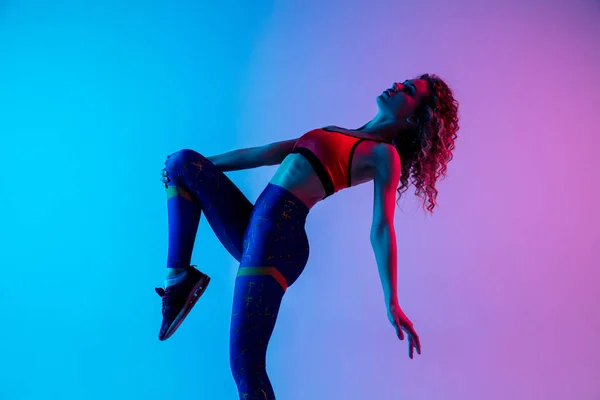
[(330, 154)]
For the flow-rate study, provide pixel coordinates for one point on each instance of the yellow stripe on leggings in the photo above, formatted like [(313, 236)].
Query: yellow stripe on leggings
[(272, 271), (173, 191)]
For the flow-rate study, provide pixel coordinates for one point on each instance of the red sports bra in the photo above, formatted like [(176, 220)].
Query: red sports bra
[(330, 154)]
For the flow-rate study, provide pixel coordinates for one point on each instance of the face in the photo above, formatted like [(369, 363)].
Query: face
[(402, 99)]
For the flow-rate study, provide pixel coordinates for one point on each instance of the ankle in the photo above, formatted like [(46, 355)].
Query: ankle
[(175, 271)]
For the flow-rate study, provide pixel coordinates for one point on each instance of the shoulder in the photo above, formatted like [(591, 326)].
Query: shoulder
[(385, 158)]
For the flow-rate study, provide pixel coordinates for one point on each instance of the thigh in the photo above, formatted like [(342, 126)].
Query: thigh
[(275, 238), (226, 208)]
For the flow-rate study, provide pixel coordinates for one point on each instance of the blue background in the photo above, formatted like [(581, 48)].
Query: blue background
[(500, 282)]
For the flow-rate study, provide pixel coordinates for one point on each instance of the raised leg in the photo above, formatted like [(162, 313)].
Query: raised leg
[(195, 185)]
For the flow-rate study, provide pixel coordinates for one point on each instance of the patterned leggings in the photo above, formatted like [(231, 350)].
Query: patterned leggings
[(268, 239)]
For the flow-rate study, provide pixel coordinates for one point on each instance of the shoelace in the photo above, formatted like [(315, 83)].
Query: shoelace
[(163, 294)]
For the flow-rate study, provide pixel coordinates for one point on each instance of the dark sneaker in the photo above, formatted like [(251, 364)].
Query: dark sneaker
[(178, 300)]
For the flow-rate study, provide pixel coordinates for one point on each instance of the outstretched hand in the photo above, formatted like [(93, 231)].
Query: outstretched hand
[(403, 325)]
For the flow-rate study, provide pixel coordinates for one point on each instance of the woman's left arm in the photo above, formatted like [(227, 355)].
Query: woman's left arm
[(383, 240), (383, 234), (253, 157)]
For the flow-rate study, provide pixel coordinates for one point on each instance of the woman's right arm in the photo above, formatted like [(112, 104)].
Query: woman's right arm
[(253, 157)]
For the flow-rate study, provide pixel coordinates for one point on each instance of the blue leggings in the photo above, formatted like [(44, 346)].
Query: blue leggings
[(268, 239)]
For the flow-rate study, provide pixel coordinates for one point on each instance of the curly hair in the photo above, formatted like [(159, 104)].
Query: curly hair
[(426, 150)]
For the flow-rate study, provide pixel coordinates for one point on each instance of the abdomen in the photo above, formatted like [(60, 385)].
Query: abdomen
[(297, 176)]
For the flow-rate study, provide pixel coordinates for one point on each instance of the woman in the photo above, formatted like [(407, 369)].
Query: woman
[(410, 140)]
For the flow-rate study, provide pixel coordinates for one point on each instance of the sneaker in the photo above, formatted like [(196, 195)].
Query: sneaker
[(178, 300)]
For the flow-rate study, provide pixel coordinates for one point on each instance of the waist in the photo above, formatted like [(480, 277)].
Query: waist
[(332, 171), (297, 176), (277, 198)]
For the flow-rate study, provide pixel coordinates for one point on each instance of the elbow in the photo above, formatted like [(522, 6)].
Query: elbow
[(381, 230), (277, 152), (270, 156)]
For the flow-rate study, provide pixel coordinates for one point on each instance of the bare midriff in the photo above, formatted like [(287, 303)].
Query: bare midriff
[(297, 176)]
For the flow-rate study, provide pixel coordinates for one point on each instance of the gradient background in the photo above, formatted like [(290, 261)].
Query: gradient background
[(502, 283)]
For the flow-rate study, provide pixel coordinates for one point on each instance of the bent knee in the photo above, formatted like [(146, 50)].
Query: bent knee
[(184, 155), (177, 161)]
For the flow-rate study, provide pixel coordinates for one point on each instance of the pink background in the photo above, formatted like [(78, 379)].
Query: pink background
[(502, 282)]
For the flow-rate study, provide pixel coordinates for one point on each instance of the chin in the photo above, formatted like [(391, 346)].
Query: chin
[(381, 103)]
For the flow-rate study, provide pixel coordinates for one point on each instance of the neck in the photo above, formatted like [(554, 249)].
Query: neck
[(382, 126)]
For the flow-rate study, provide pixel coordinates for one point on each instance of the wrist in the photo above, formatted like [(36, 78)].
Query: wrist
[(391, 298)]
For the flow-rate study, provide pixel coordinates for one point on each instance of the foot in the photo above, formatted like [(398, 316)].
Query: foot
[(178, 300)]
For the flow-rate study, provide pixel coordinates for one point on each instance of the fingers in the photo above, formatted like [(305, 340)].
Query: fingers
[(402, 323), (414, 343), (165, 177), (418, 345), (399, 331)]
